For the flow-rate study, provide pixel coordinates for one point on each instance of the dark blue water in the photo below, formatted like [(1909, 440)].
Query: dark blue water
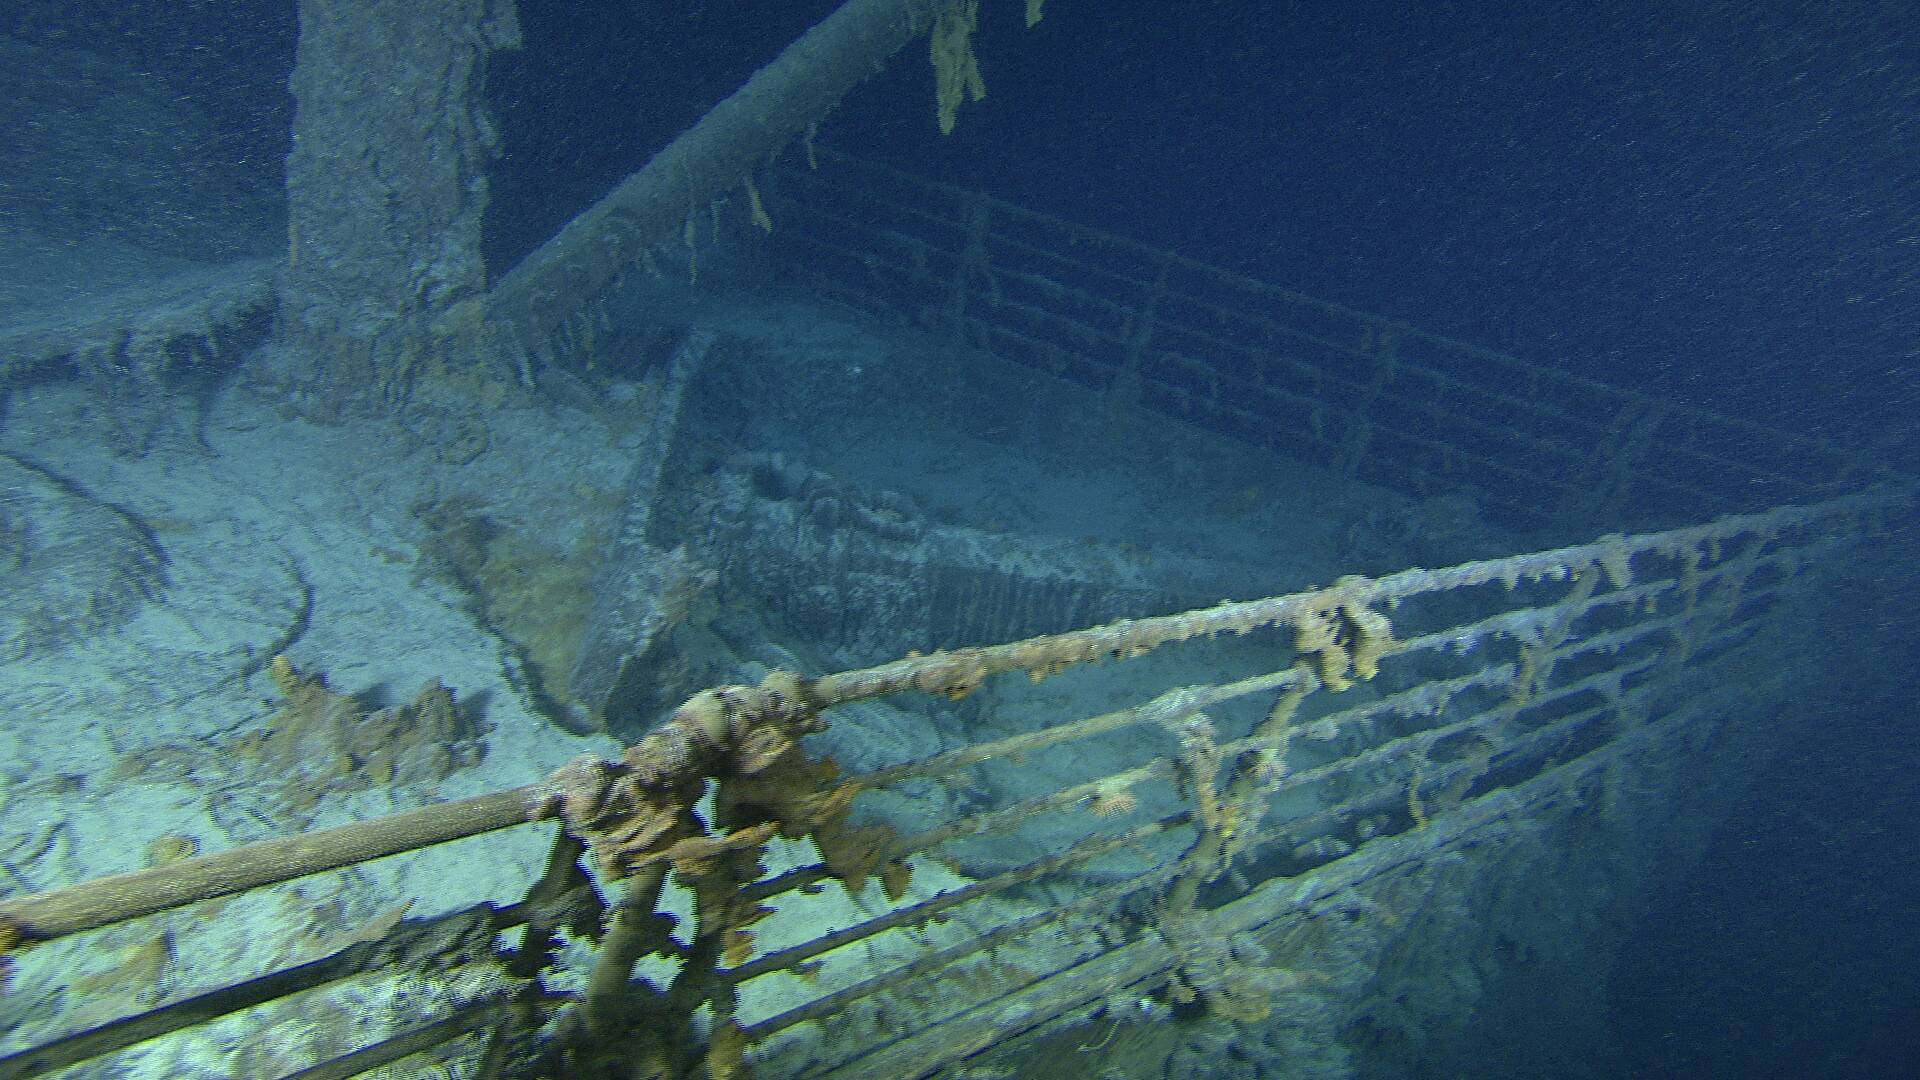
[(1716, 200)]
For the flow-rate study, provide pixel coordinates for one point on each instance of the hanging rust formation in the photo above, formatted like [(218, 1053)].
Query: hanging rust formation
[(538, 299), (1578, 646)]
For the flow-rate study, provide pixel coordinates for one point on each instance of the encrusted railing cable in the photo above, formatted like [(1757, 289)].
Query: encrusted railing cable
[(468, 931), (1147, 960), (1156, 959), (1238, 814), (830, 1004), (122, 897), (127, 896), (1632, 608)]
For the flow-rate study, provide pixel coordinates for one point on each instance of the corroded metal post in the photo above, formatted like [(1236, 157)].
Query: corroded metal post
[(386, 190)]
